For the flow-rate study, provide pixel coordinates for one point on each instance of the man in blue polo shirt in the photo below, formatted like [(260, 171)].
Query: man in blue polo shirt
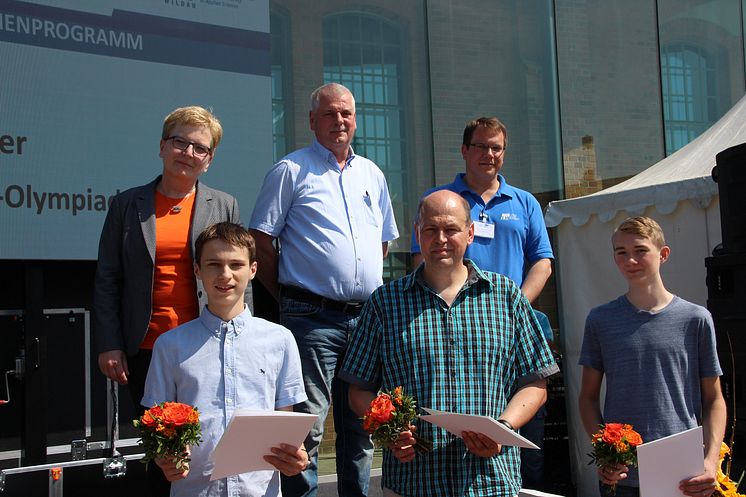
[(331, 212), (510, 238)]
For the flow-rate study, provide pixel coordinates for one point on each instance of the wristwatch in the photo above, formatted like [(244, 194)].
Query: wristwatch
[(506, 423)]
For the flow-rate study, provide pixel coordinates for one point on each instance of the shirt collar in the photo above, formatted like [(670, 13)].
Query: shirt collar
[(214, 324), (504, 189), (476, 275), (328, 156)]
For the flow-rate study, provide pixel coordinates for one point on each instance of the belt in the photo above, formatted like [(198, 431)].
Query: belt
[(307, 297)]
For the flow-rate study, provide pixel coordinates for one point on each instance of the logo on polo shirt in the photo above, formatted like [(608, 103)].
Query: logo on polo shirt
[(508, 216)]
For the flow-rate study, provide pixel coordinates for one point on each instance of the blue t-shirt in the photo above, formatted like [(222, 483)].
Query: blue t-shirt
[(520, 238)]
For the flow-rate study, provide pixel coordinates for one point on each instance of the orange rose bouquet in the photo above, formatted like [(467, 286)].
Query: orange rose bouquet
[(614, 444), (167, 429), (389, 414)]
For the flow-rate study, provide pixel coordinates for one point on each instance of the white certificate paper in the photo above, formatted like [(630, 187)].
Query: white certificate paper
[(663, 463), (250, 436), (456, 423)]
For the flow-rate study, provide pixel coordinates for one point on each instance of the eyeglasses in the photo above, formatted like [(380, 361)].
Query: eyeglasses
[(495, 149), (179, 143)]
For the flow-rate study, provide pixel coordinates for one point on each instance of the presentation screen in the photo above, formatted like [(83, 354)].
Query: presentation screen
[(85, 87)]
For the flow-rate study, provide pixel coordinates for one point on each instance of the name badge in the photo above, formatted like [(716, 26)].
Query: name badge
[(484, 230)]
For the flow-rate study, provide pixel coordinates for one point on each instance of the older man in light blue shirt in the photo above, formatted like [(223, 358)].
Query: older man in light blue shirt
[(331, 212)]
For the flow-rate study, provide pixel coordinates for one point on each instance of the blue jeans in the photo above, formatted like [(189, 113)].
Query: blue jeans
[(321, 336)]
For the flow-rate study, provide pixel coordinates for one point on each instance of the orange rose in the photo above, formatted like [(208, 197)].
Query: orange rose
[(381, 409), (176, 414), (193, 417), (633, 438), (369, 424), (150, 418), (612, 433)]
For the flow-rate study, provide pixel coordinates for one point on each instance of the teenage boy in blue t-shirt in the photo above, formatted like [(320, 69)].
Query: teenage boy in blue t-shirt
[(658, 354)]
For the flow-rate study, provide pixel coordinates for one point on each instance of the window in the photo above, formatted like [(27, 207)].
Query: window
[(690, 99), (363, 52)]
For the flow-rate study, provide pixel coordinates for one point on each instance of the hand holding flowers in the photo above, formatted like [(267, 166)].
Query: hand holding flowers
[(614, 450), (389, 419), (167, 430), (168, 466)]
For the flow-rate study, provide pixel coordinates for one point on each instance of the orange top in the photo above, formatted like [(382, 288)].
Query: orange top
[(174, 285)]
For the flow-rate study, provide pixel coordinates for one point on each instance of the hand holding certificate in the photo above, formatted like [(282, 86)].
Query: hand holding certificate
[(665, 462), (251, 435), (458, 423)]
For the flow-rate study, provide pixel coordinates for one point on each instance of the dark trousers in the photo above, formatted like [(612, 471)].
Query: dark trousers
[(532, 460), (618, 491), (138, 365)]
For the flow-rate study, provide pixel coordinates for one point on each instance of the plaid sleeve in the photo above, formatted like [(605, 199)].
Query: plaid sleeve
[(362, 363), (534, 359)]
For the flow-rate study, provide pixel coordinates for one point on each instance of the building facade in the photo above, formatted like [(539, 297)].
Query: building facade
[(592, 92)]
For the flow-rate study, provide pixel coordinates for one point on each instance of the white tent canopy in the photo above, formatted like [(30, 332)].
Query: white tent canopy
[(680, 194), (684, 175)]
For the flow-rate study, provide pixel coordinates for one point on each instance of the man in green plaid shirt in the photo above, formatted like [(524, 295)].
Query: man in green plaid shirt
[(456, 339)]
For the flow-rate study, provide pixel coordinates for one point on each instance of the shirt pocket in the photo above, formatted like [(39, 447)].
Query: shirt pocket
[(373, 214)]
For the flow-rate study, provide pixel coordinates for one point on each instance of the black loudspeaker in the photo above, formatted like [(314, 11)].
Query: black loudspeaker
[(730, 174), (726, 285), (726, 300)]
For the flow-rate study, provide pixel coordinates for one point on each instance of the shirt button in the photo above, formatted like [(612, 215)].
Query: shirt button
[(228, 371), (230, 401)]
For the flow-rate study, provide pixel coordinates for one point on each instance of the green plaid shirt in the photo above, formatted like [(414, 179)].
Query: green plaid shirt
[(467, 358)]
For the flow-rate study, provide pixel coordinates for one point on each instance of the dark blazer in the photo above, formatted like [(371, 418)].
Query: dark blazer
[(123, 291)]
